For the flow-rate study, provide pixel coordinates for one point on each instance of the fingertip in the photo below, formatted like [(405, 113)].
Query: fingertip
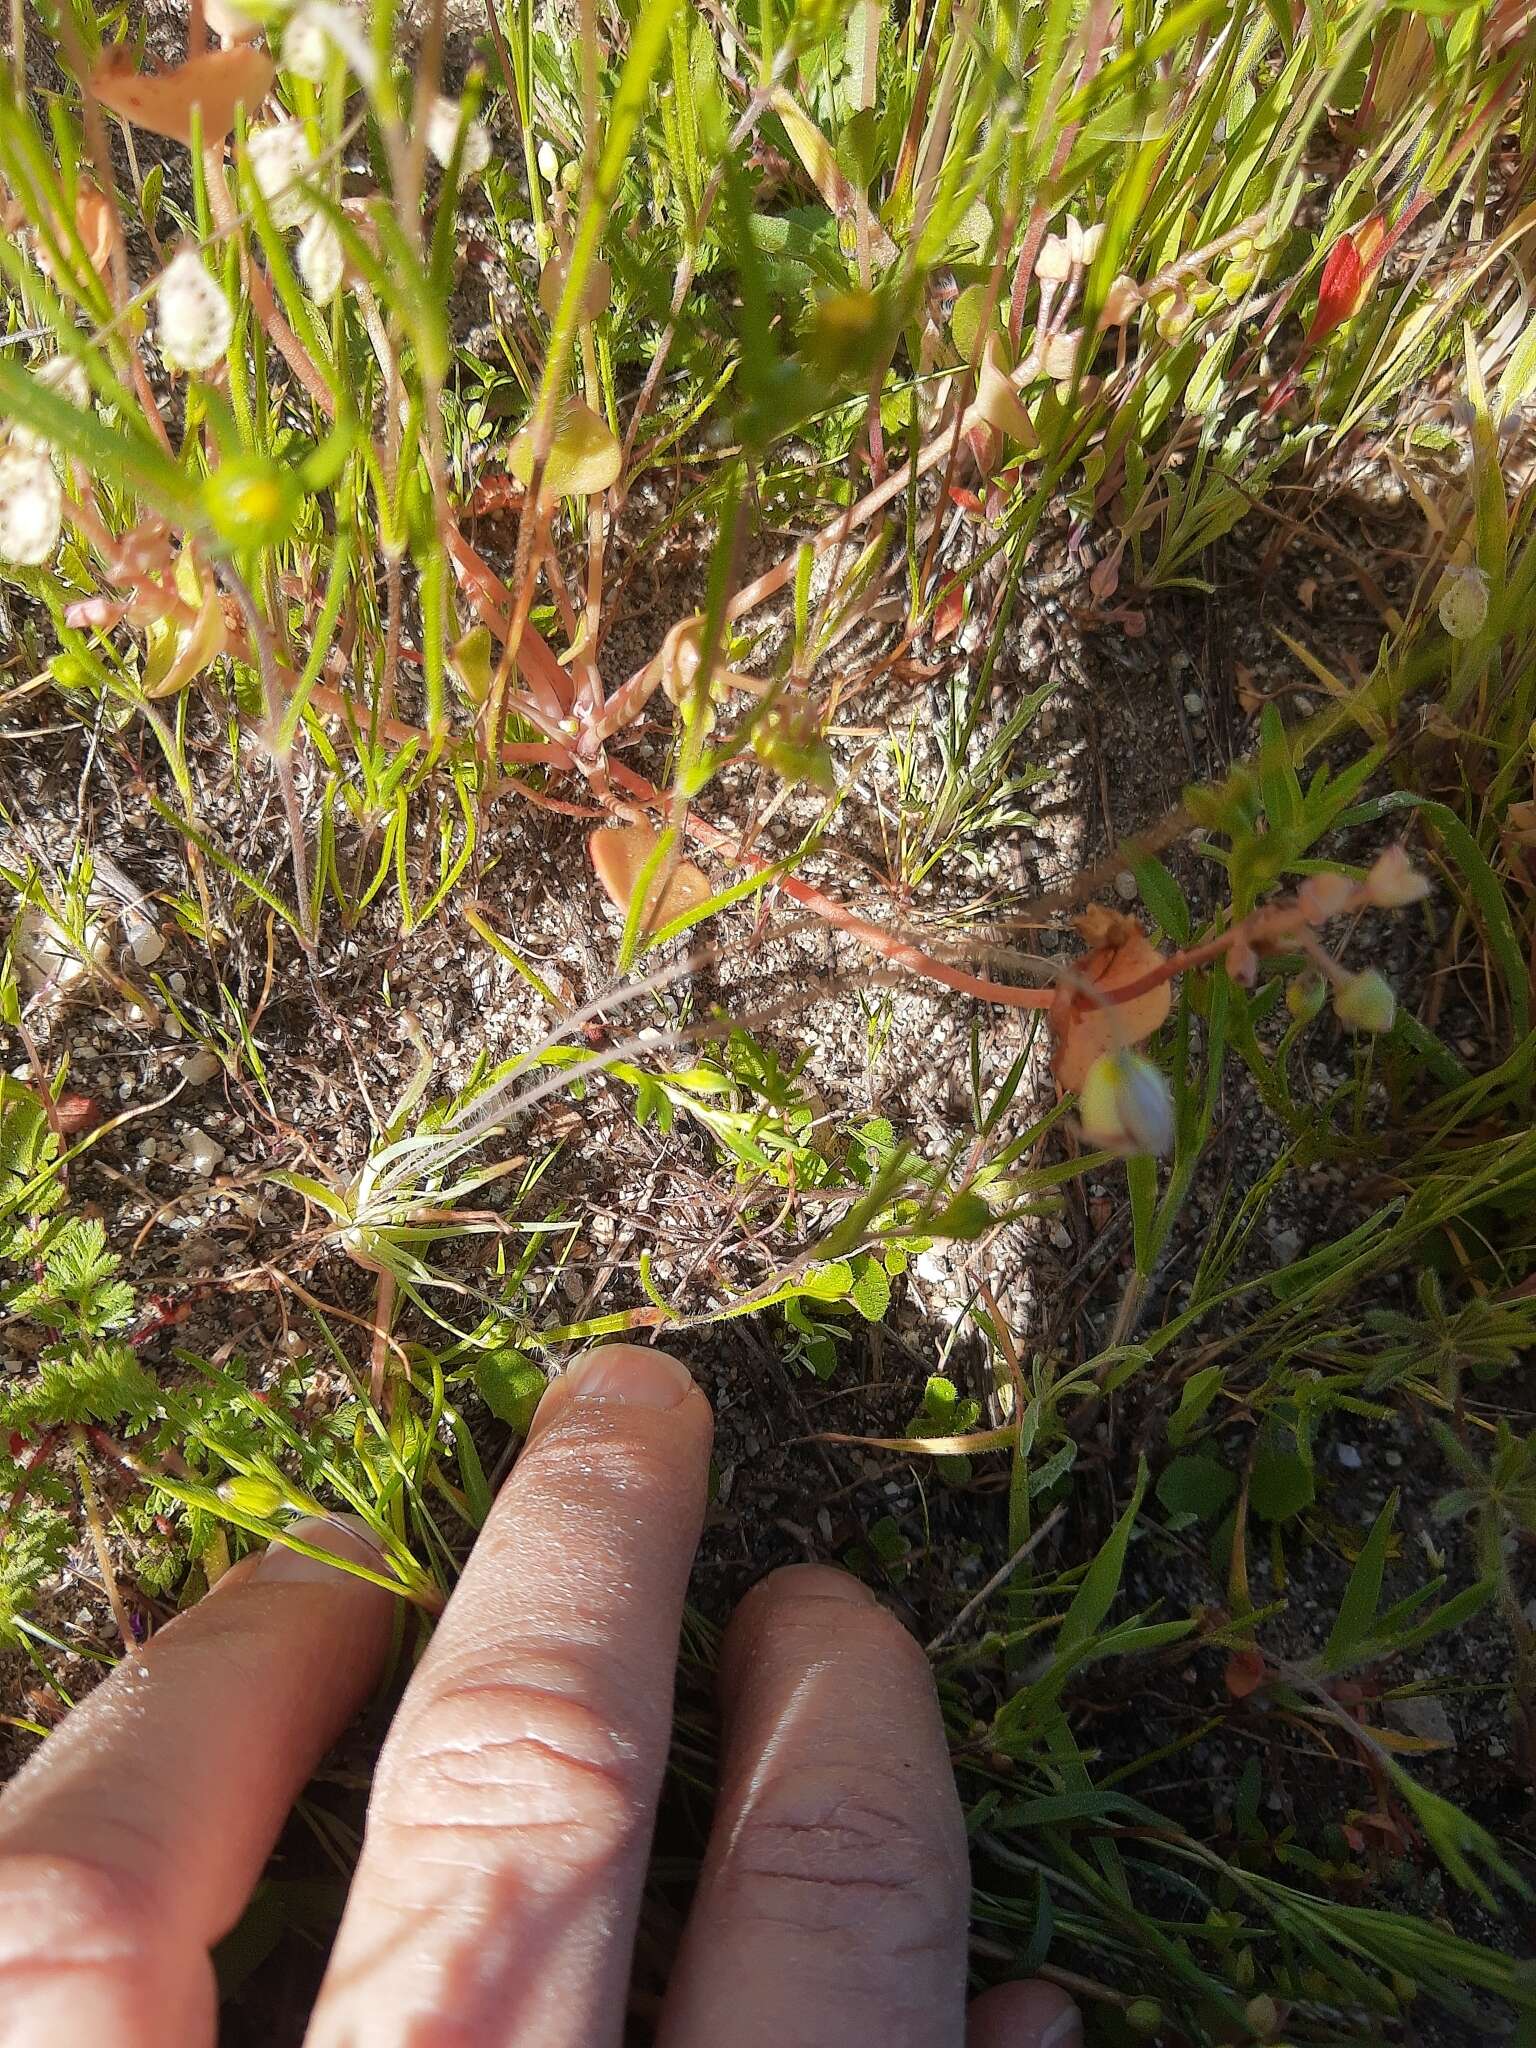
[(1030, 2014), (814, 1614), (807, 1582), (343, 1536), (633, 1376)]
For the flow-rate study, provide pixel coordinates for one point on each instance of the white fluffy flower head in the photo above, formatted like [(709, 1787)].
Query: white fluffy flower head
[(443, 117), (306, 48), (281, 159), (31, 505), (320, 260), (311, 30), (196, 320), (65, 376)]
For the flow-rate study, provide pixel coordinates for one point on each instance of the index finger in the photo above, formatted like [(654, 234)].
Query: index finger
[(511, 1816)]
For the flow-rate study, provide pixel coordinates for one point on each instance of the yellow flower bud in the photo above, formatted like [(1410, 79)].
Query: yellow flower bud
[(1126, 1106), (251, 1496)]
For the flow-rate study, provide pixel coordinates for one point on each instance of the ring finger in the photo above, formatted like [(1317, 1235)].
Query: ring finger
[(131, 1841)]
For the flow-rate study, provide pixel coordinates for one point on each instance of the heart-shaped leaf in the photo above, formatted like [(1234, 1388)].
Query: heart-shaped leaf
[(583, 458), (1087, 1027), (620, 852)]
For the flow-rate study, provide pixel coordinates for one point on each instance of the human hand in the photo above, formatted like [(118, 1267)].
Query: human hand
[(496, 1897)]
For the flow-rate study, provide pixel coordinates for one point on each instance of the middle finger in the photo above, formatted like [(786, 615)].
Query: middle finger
[(511, 1815)]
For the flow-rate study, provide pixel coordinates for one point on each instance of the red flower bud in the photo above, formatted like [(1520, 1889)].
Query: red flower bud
[(1348, 278)]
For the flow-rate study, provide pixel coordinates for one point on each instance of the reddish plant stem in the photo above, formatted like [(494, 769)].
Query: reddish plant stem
[(528, 753), (888, 945)]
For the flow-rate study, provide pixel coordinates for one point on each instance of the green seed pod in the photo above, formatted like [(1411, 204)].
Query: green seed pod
[(1144, 2015), (1462, 601), (69, 672), (1305, 995), (787, 738), (471, 663), (1263, 2015), (1365, 1002)]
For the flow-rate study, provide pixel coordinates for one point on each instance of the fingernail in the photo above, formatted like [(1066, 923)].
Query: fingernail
[(816, 1582), (345, 1536), (1065, 2031), (631, 1373)]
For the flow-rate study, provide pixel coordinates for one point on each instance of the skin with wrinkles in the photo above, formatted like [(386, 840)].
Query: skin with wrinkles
[(495, 1901)]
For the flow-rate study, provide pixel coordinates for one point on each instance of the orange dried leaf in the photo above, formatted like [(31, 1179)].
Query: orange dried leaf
[(216, 83), (619, 852), (595, 293), (1085, 1028)]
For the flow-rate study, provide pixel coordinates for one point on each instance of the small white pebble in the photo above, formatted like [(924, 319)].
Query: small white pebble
[(145, 943), (1194, 703), (1125, 886), (199, 1068), (1348, 1457), (202, 1153)]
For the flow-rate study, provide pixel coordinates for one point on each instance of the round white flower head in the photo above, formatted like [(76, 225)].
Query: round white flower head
[(443, 117), (196, 320), (320, 260), (281, 159), (309, 33), (65, 376), (306, 48), (31, 505)]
